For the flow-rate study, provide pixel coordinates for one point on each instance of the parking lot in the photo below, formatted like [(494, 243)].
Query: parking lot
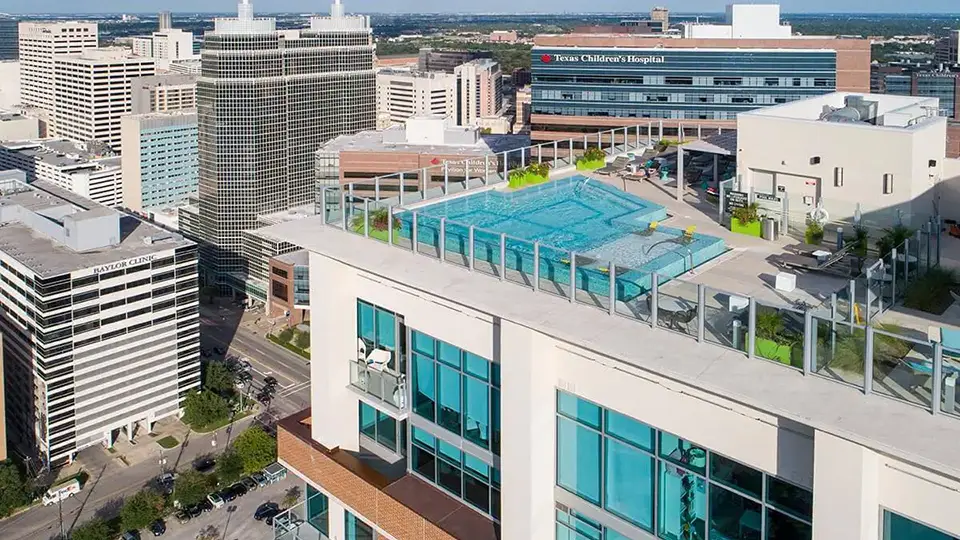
[(234, 521)]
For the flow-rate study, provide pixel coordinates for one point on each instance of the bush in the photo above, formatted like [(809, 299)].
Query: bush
[(286, 335), (592, 155), (229, 466), (203, 408), (302, 340), (814, 233), (747, 214), (860, 241), (378, 221), (13, 487), (95, 529), (141, 510), (931, 292), (893, 238), (256, 449), (191, 487)]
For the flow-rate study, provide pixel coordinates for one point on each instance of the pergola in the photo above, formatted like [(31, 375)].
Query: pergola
[(722, 144)]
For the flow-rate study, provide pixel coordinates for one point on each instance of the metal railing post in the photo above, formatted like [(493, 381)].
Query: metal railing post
[(612, 272), (868, 361), (638, 135), (751, 327), (486, 168), (539, 154), (536, 266), (833, 324), (937, 396), (446, 178), (893, 276), (853, 303), (470, 254), (442, 239), (376, 189), (573, 276), (366, 218), (390, 225), (424, 181), (654, 300), (523, 158), (413, 232), (571, 152), (556, 155), (906, 262), (343, 209), (506, 165), (701, 311), (503, 256), (400, 190), (809, 341)]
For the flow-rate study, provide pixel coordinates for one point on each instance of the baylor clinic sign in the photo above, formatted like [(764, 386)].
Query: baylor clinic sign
[(603, 58)]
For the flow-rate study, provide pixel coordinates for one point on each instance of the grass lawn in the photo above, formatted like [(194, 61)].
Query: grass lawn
[(290, 346), (217, 425), (168, 442)]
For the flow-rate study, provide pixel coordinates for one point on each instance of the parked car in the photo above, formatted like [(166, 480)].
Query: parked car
[(204, 465), (62, 492), (215, 499), (158, 527), (270, 381), (264, 397), (219, 350), (205, 506), (266, 510), (259, 478), (239, 489), (249, 483), (194, 511), (227, 494), (183, 517), (131, 535)]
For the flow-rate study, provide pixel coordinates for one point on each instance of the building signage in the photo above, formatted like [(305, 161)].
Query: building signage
[(603, 58), (736, 199), (766, 197), (123, 264)]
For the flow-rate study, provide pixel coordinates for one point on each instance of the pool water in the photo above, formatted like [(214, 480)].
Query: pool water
[(597, 221)]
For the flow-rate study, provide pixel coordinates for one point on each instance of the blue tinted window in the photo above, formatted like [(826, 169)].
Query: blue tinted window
[(424, 387), (897, 527), (476, 401), (366, 327), (424, 439), (476, 366), (629, 430), (449, 355), (578, 409), (495, 421), (368, 420), (386, 431), (318, 509), (479, 468), (789, 498), (733, 516), (423, 344), (578, 460), (683, 504), (449, 452), (448, 412), (683, 452), (629, 477), (386, 330), (356, 529), (735, 475)]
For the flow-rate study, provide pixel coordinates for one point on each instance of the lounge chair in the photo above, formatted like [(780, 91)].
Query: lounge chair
[(618, 165), (651, 228), (812, 264)]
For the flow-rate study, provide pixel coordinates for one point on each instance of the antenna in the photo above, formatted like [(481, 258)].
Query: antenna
[(336, 10)]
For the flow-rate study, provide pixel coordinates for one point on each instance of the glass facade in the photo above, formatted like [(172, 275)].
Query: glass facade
[(356, 529), (665, 485), (938, 85), (168, 162), (382, 429), (456, 390), (683, 84), (380, 329), (897, 527), (318, 510), (301, 285), (459, 473)]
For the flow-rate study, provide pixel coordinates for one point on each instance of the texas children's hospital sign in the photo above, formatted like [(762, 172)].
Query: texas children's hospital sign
[(602, 58)]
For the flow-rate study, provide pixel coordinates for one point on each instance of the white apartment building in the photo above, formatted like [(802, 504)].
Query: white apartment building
[(40, 42), (883, 154), (402, 94), (743, 21), (93, 90), (164, 93), (160, 159), (481, 91), (17, 127), (169, 44), (99, 318), (85, 170)]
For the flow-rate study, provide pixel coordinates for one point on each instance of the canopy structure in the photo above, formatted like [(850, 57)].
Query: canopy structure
[(722, 144)]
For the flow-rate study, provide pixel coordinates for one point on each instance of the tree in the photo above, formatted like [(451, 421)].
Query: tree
[(285, 335), (203, 408), (191, 487), (291, 497), (141, 510), (256, 449), (13, 487), (218, 378), (95, 529), (229, 466), (302, 340)]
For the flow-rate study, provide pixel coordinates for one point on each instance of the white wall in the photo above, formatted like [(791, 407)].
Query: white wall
[(9, 84)]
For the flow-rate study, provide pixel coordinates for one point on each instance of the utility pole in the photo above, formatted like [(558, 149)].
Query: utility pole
[(63, 535)]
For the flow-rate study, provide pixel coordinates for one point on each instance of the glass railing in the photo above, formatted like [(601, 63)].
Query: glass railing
[(379, 382), (840, 340), (295, 523)]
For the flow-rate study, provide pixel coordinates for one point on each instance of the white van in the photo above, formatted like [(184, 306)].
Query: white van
[(61, 492)]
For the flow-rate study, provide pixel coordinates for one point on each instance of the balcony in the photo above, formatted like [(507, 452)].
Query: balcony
[(374, 380), (400, 504)]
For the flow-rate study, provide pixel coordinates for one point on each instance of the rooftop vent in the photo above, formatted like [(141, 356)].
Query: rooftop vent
[(855, 109)]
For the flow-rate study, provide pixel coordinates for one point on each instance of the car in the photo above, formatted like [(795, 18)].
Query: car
[(249, 483), (264, 398), (266, 510), (183, 517), (270, 381), (204, 465), (205, 506), (158, 527), (244, 364), (194, 511), (227, 494), (215, 499), (131, 535), (259, 478), (239, 489)]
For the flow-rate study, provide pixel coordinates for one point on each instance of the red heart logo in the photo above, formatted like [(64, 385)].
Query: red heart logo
[(435, 161), (546, 58)]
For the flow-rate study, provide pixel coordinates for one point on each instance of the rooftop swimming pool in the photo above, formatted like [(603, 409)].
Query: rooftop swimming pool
[(596, 221)]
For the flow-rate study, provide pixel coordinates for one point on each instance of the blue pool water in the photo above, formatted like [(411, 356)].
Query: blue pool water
[(597, 221)]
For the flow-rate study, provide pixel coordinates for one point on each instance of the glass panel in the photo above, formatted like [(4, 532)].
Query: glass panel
[(737, 476), (782, 527), (578, 409), (317, 509), (733, 516), (840, 351), (903, 369), (726, 319), (479, 468), (786, 496), (495, 374), (593, 282), (495, 502), (495, 421), (356, 529), (897, 527), (683, 504), (682, 452), (368, 420), (476, 492), (476, 402), (424, 439), (578, 460), (424, 463), (519, 258), (477, 366), (448, 413), (449, 355), (949, 402), (779, 336), (386, 330), (629, 430), (365, 324), (448, 477), (610, 534), (633, 293), (677, 307), (423, 344), (629, 483), (386, 431), (424, 387), (449, 451)]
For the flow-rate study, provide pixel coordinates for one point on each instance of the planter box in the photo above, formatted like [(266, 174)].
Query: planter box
[(584, 165), (791, 356), (749, 229), (526, 179)]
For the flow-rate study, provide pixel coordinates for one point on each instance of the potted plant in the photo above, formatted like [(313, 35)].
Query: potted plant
[(746, 220), (814, 233), (378, 223), (774, 341), (893, 237), (535, 173), (593, 158)]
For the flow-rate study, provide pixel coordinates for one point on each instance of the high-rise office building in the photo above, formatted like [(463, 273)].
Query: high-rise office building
[(93, 90), (40, 43), (9, 38), (164, 21), (99, 319), (480, 91), (446, 60), (159, 159), (948, 48), (163, 93), (265, 103), (403, 94)]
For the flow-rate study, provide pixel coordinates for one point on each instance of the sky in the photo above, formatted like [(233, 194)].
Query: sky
[(465, 6)]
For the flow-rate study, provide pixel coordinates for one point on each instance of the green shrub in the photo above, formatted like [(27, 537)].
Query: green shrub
[(931, 292), (285, 335), (860, 241), (747, 214), (814, 233), (893, 237), (302, 340), (592, 155)]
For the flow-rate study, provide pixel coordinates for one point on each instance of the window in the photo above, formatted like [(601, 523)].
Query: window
[(771, 81), (897, 527), (279, 271), (678, 80), (838, 177), (378, 328), (279, 290), (459, 473), (318, 508), (887, 184), (355, 528), (380, 428), (728, 81)]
